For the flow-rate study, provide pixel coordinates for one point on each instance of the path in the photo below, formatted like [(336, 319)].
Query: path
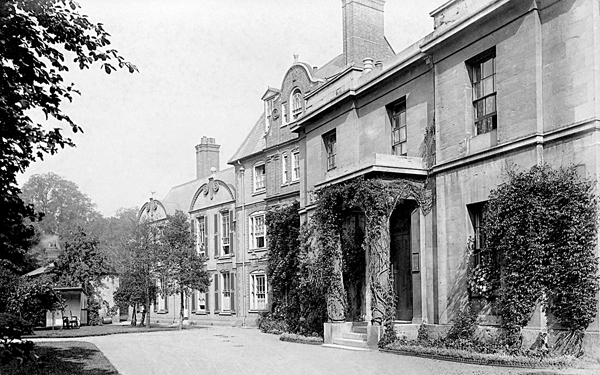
[(230, 351)]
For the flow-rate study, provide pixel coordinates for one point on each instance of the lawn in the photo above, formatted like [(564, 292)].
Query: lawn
[(64, 358), (100, 330)]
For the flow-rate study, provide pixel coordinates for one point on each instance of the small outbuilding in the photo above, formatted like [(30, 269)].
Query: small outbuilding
[(76, 307)]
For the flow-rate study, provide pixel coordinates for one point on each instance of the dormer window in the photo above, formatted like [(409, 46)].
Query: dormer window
[(297, 101)]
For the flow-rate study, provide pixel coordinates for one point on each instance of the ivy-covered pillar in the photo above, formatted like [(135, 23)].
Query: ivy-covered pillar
[(382, 295), (336, 295)]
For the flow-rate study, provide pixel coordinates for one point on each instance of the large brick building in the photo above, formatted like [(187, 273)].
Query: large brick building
[(496, 82)]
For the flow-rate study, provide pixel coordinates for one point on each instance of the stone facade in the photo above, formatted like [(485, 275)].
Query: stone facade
[(543, 57), (497, 82)]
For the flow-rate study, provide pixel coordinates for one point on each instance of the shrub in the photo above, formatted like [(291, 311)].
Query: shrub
[(12, 328), (270, 323), (464, 325)]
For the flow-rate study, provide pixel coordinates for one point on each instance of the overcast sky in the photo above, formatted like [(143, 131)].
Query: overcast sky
[(204, 65)]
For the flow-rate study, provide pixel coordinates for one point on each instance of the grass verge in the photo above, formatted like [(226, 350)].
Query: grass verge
[(64, 358), (100, 330), (291, 337), (495, 359)]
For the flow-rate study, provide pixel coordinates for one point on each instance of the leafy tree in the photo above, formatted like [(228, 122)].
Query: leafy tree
[(63, 205), (32, 298), (137, 277), (180, 268), (136, 287), (81, 264), (36, 35), (113, 232), (542, 230)]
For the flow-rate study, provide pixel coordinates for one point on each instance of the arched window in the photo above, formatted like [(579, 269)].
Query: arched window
[(297, 101)]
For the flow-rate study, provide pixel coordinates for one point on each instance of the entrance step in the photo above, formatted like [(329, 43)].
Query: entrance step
[(334, 346), (359, 327), (351, 342), (354, 336)]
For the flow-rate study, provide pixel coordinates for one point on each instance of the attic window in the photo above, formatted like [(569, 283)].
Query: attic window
[(297, 103)]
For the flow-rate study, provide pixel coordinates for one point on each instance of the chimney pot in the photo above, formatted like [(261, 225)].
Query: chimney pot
[(368, 62)]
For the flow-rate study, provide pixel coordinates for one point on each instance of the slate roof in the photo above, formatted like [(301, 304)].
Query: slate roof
[(332, 68), (254, 143), (180, 197)]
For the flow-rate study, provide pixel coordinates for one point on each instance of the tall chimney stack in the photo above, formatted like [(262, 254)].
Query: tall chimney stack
[(207, 157), (363, 31)]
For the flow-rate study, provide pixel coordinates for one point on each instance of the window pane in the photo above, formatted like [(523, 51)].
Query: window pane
[(488, 68), (403, 134), (477, 90), (402, 119), (479, 109), (404, 149), (488, 86), (490, 104), (395, 136)]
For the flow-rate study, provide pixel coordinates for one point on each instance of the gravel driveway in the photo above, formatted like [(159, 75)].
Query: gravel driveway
[(227, 350)]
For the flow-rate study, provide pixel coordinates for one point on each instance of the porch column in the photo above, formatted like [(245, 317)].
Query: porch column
[(380, 287), (336, 295)]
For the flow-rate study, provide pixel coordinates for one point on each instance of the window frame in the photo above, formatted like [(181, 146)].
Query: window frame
[(329, 141), (253, 234), (258, 303), (201, 235), (263, 181), (225, 226), (284, 168), (477, 214), (226, 293), (399, 129), (296, 104), (488, 120), (295, 166)]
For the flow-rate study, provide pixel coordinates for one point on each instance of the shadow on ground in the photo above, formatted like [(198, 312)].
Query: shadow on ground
[(62, 358)]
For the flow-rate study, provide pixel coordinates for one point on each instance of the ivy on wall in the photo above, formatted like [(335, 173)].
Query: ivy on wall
[(541, 228), (376, 199), (294, 273)]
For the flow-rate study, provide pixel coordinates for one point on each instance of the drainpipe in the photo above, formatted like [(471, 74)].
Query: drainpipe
[(243, 243)]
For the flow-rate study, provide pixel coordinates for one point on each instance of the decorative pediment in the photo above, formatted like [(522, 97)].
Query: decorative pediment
[(210, 190)]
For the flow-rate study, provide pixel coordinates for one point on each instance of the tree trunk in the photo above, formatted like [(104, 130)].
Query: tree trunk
[(147, 306), (133, 315), (181, 310)]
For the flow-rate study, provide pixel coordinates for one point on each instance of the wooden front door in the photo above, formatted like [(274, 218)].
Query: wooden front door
[(400, 253)]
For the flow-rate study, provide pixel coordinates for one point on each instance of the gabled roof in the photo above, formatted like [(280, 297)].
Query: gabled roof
[(271, 91), (180, 197), (254, 142)]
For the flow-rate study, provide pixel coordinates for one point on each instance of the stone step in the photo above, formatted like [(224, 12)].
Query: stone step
[(351, 343), (354, 336), (343, 347), (359, 329)]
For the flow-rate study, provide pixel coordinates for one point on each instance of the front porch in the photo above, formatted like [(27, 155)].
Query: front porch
[(376, 249)]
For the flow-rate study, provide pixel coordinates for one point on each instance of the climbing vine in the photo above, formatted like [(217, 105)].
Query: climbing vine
[(542, 229), (376, 199)]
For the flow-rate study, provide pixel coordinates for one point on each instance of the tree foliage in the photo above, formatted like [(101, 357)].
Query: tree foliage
[(81, 264), (542, 228), (36, 36), (298, 294), (178, 265), (137, 279), (32, 297), (63, 205)]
